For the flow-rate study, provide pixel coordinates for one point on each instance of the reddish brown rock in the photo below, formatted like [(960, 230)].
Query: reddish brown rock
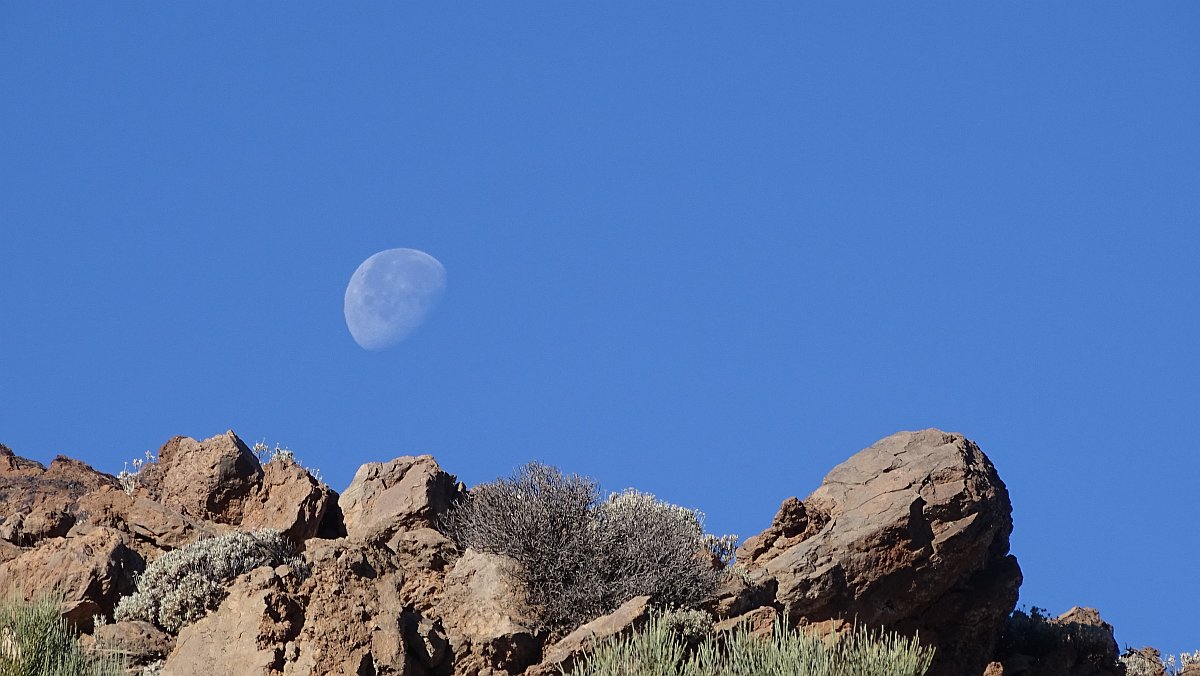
[(424, 556), (760, 622), (38, 502), (352, 617), (153, 527), (9, 551), (141, 642), (209, 480), (92, 571), (492, 630), (910, 534), (406, 493), (289, 500), (560, 657), (794, 523), (247, 635)]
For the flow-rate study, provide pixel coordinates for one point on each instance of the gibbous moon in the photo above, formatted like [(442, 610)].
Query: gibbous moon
[(390, 294)]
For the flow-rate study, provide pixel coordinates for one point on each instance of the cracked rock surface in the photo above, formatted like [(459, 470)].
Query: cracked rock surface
[(911, 534)]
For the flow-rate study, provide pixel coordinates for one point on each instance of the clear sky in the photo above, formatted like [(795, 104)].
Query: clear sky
[(701, 249)]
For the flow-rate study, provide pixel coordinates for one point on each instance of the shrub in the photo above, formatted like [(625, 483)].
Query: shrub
[(659, 649), (181, 586), (36, 641), (651, 547), (582, 557)]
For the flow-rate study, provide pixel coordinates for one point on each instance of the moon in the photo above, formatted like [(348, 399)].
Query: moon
[(390, 294)]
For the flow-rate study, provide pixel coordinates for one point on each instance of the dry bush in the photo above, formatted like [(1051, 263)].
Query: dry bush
[(581, 557)]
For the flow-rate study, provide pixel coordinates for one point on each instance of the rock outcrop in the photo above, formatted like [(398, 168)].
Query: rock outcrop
[(249, 634), (91, 571), (910, 534), (141, 642), (38, 502), (288, 499), (352, 622), (560, 657)]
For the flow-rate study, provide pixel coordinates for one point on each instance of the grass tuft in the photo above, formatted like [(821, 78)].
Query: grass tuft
[(659, 650), (36, 641)]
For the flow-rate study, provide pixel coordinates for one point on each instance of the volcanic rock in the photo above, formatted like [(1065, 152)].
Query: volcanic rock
[(491, 628), (141, 642), (387, 497), (910, 534), (352, 621), (289, 500), (760, 622), (91, 571), (560, 657), (247, 635), (38, 502), (209, 480), (153, 527)]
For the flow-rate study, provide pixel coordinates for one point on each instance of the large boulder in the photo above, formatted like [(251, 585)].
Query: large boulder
[(289, 500), (910, 534), (209, 480), (492, 630), (90, 570), (385, 498)]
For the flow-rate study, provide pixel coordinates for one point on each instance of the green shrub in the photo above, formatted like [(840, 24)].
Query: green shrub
[(36, 641), (660, 650), (582, 557), (181, 586)]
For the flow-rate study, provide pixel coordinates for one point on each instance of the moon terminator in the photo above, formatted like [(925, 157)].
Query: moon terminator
[(390, 294)]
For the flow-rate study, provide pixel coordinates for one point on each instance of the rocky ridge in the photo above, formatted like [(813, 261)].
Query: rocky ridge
[(910, 534)]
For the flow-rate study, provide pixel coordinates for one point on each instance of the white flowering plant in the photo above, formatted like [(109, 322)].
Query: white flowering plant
[(130, 480), (181, 586), (267, 455)]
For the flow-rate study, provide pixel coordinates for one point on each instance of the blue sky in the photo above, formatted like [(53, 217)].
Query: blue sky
[(702, 250)]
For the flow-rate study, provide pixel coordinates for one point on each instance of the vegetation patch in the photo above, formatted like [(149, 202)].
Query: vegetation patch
[(582, 556), (181, 586), (36, 641), (662, 648)]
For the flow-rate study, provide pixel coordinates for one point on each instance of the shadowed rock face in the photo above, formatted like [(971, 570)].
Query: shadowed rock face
[(909, 534), (1077, 643)]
